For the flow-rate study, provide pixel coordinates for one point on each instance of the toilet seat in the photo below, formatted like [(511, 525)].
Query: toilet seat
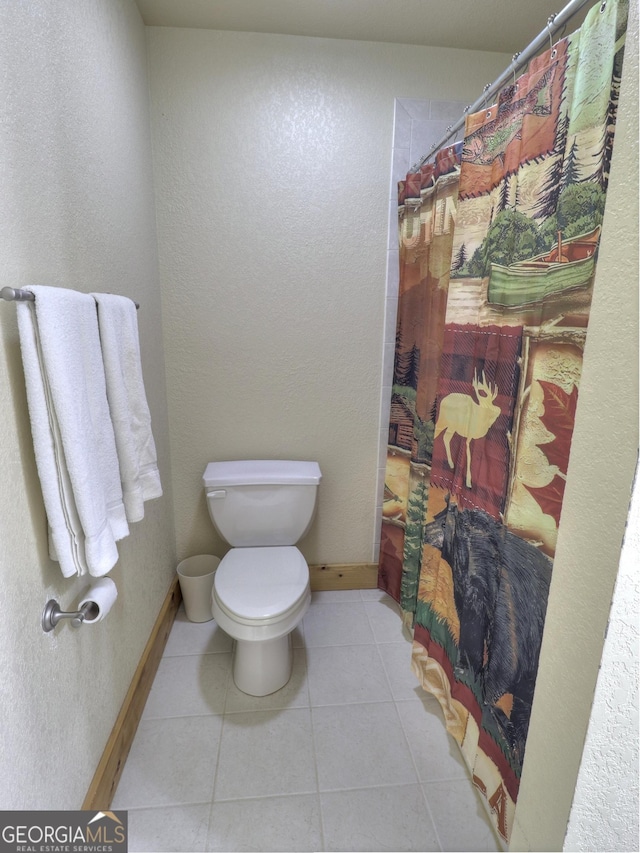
[(260, 586)]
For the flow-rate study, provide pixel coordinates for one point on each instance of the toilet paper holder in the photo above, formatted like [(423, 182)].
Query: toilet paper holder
[(52, 614)]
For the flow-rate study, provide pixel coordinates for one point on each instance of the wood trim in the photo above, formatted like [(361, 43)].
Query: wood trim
[(344, 576), (107, 775)]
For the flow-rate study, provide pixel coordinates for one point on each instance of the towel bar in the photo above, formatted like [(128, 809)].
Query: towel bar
[(52, 614), (15, 294)]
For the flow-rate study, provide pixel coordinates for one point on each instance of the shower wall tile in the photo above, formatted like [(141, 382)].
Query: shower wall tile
[(385, 396), (400, 164), (449, 111), (402, 127), (393, 269), (424, 136), (392, 235), (390, 317), (417, 109)]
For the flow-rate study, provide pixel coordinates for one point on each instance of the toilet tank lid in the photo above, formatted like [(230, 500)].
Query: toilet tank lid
[(258, 472)]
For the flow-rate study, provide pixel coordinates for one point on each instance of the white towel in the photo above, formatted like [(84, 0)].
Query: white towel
[(72, 431), (139, 475)]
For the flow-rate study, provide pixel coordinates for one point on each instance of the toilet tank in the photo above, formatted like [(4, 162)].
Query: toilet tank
[(261, 502)]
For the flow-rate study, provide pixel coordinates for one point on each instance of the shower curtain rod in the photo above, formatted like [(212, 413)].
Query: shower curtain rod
[(15, 294), (554, 23)]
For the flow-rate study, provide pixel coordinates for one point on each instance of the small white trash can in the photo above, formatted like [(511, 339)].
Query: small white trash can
[(196, 584)]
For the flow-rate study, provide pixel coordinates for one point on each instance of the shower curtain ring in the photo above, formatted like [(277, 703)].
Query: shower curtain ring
[(485, 90), (514, 59), (550, 21)]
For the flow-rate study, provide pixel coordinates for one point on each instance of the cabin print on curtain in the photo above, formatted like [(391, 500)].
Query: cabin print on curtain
[(498, 248)]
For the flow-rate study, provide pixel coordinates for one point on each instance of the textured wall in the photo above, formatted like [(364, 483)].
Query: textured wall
[(76, 210), (604, 815), (603, 458), (272, 160)]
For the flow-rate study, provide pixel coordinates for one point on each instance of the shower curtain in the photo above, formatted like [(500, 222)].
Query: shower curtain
[(498, 247)]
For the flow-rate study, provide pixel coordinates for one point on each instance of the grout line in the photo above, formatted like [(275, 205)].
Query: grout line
[(315, 767), (371, 787), (163, 806)]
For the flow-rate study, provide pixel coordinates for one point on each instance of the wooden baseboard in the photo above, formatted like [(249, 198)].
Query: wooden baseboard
[(344, 576), (107, 775)]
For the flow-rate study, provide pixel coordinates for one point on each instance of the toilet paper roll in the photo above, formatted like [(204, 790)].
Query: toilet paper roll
[(100, 596)]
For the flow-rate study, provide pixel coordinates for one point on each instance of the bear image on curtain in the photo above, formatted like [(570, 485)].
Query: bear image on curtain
[(500, 591)]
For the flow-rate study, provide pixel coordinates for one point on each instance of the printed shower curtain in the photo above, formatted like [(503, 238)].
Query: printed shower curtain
[(498, 246)]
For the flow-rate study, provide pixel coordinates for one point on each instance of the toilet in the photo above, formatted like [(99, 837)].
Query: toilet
[(261, 588)]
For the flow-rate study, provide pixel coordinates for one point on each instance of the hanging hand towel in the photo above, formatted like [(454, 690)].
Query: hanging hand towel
[(72, 431), (139, 473)]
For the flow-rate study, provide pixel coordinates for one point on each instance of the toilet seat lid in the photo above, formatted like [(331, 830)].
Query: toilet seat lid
[(261, 583)]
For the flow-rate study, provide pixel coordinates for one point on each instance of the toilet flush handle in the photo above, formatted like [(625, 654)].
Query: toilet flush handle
[(217, 493)]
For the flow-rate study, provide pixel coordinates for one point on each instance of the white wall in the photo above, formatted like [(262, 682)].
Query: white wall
[(76, 210), (604, 815), (272, 157)]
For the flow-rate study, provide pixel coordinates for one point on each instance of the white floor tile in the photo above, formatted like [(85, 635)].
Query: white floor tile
[(190, 685), (396, 658), (360, 746), (337, 624), (434, 750), (195, 638), (374, 595), (325, 596), (459, 816), (274, 823), (391, 818), (339, 675), (386, 620), (265, 753), (171, 762), (169, 828)]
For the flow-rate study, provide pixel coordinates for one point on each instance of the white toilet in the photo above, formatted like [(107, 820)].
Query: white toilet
[(261, 588)]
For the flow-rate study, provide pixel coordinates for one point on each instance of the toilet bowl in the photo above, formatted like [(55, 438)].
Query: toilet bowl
[(261, 589), (260, 597)]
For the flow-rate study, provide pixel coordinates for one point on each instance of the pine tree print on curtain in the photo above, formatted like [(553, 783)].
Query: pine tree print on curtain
[(426, 224), (469, 537)]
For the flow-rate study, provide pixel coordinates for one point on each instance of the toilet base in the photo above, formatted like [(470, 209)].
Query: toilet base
[(262, 667)]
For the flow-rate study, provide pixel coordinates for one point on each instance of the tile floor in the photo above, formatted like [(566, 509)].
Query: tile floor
[(350, 755)]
